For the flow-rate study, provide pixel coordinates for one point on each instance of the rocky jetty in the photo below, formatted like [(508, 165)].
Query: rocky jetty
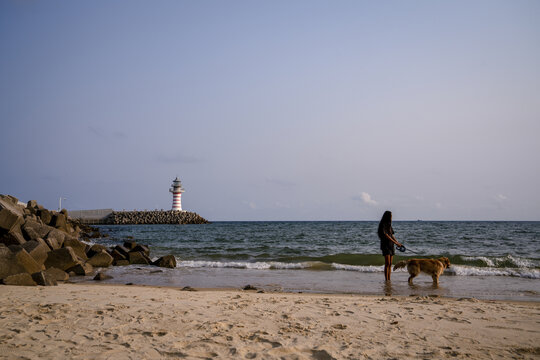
[(154, 217), (42, 247)]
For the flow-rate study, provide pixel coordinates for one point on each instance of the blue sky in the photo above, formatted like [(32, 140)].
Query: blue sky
[(274, 110)]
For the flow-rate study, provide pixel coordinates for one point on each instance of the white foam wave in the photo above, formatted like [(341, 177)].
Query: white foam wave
[(462, 270), (508, 259), (486, 260), (242, 265), (457, 270), (360, 268)]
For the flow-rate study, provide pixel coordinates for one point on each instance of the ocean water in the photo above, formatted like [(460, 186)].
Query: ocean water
[(490, 260)]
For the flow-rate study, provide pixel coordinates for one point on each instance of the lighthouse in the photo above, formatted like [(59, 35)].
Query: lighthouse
[(177, 191)]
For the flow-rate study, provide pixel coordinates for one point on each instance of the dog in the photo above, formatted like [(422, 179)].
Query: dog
[(433, 267)]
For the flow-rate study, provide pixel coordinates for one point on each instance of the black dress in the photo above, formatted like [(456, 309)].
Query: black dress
[(387, 246)]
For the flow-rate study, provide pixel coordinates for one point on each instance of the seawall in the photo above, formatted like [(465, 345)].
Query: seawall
[(140, 217)]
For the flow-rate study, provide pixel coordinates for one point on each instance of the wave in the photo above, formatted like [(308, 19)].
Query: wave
[(456, 270), (505, 261), (475, 271)]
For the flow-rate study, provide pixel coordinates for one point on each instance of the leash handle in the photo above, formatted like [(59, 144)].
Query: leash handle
[(401, 248)]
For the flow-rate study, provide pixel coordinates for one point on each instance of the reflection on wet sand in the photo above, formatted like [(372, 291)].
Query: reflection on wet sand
[(389, 289)]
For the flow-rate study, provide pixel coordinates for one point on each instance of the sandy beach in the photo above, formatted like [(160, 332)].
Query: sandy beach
[(80, 321)]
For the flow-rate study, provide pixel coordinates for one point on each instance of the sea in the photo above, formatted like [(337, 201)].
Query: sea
[(489, 259)]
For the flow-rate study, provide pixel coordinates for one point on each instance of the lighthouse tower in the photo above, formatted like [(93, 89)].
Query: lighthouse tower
[(177, 191)]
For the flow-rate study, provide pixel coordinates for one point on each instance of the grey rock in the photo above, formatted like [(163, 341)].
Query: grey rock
[(78, 246), (57, 274), (122, 250), (82, 269), (15, 248), (101, 259), (168, 261), (45, 279), (130, 244), (13, 237), (60, 236), (45, 216), (22, 279), (121, 262), (101, 276), (141, 248), (63, 259), (138, 258), (52, 243), (38, 249), (33, 230), (94, 249), (9, 265), (59, 221), (26, 261), (10, 219), (117, 255)]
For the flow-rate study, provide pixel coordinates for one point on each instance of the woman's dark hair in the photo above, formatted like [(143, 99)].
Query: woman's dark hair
[(386, 223)]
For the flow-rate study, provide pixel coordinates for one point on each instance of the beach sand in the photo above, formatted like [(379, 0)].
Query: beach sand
[(84, 321)]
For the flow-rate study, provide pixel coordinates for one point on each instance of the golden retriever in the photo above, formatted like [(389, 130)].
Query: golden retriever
[(433, 267)]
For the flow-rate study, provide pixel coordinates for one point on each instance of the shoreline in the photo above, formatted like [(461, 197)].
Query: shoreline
[(300, 293), (98, 321), (328, 282)]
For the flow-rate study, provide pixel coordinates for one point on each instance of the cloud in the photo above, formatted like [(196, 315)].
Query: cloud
[(365, 198), (501, 197)]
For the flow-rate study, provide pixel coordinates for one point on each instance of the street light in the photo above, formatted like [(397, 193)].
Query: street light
[(60, 204)]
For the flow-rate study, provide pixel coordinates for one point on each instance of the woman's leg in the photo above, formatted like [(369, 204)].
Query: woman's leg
[(387, 266)]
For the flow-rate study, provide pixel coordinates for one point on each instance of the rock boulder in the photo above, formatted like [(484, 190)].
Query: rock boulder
[(101, 276), (37, 249), (9, 219), (57, 274), (137, 257), (27, 262), (45, 216), (81, 269), (78, 246), (168, 261), (22, 279), (141, 248), (33, 230), (45, 279), (13, 237), (63, 259), (94, 249), (101, 259), (59, 221)]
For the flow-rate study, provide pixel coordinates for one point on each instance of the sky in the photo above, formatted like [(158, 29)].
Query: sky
[(274, 110)]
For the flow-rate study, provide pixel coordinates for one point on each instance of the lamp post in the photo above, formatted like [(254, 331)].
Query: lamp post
[(60, 204)]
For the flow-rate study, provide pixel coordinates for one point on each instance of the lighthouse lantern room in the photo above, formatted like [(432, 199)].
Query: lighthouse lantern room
[(177, 191)]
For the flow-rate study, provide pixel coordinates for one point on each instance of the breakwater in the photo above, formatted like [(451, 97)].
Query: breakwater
[(153, 217)]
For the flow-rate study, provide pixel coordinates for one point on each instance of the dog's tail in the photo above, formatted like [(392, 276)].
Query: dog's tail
[(401, 264)]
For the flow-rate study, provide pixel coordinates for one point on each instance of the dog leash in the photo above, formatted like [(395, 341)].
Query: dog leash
[(402, 248)]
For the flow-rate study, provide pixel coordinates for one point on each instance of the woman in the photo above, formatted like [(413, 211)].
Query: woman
[(386, 234)]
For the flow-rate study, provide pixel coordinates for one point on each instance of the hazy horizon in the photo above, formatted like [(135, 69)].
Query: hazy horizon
[(305, 110)]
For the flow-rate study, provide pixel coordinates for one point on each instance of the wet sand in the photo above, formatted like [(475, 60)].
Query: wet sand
[(339, 282), (83, 321)]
